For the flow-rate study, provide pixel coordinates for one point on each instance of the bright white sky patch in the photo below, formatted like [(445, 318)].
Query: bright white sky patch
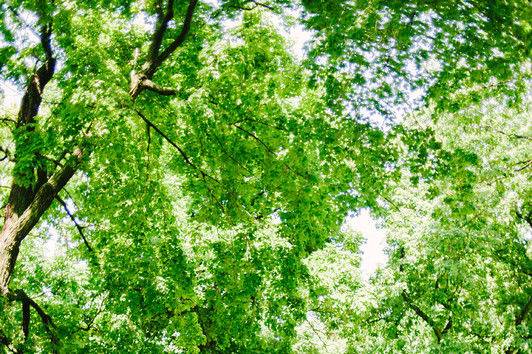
[(9, 95), (373, 255)]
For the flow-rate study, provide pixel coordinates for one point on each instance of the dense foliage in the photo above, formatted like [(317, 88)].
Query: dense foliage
[(176, 179)]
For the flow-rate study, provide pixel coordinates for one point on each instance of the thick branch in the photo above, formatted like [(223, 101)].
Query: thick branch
[(152, 86), (21, 194), (185, 29), (44, 197), (142, 80), (161, 27), (17, 228), (33, 95), (49, 326)]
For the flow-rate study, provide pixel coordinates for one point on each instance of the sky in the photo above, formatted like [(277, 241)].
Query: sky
[(372, 250)]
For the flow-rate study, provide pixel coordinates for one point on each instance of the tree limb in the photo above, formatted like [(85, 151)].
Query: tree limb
[(185, 29), (161, 27), (7, 343), (256, 3), (423, 315), (152, 86), (20, 295), (78, 226), (142, 80), (178, 148)]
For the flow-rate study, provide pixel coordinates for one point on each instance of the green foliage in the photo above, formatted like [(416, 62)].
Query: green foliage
[(209, 218)]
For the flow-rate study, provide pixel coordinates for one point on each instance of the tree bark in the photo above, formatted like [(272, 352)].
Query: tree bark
[(16, 227), (29, 182)]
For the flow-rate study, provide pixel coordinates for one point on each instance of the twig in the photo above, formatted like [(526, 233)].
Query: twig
[(268, 149), (439, 333)]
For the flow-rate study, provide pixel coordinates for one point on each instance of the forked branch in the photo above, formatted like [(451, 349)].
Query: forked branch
[(27, 302)]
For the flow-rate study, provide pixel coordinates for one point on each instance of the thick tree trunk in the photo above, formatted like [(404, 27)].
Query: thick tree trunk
[(17, 227), (30, 183), (9, 249)]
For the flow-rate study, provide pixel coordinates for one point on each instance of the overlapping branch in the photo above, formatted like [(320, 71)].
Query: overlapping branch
[(182, 152)]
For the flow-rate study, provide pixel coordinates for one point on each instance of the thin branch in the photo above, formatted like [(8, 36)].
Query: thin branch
[(268, 149), (90, 323), (256, 3), (8, 120), (7, 343), (525, 165), (423, 315), (78, 226), (447, 326), (261, 4), (226, 153), (152, 86), (256, 138), (23, 22), (178, 148), (316, 332), (7, 154)]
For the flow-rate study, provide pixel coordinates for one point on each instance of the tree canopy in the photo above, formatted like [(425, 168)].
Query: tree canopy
[(175, 178)]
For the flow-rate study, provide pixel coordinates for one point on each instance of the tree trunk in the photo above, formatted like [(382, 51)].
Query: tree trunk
[(17, 226)]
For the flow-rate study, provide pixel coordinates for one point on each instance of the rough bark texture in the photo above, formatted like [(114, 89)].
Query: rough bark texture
[(29, 182)]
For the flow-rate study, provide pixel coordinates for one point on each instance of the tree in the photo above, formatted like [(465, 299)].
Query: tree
[(141, 135), (458, 275)]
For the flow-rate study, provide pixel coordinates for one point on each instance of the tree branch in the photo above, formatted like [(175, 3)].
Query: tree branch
[(185, 29), (49, 325), (152, 86), (7, 343), (423, 315), (268, 149), (161, 27), (7, 154), (78, 226), (178, 148), (256, 3), (142, 80)]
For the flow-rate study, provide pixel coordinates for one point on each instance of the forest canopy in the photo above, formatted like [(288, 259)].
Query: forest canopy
[(177, 176)]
